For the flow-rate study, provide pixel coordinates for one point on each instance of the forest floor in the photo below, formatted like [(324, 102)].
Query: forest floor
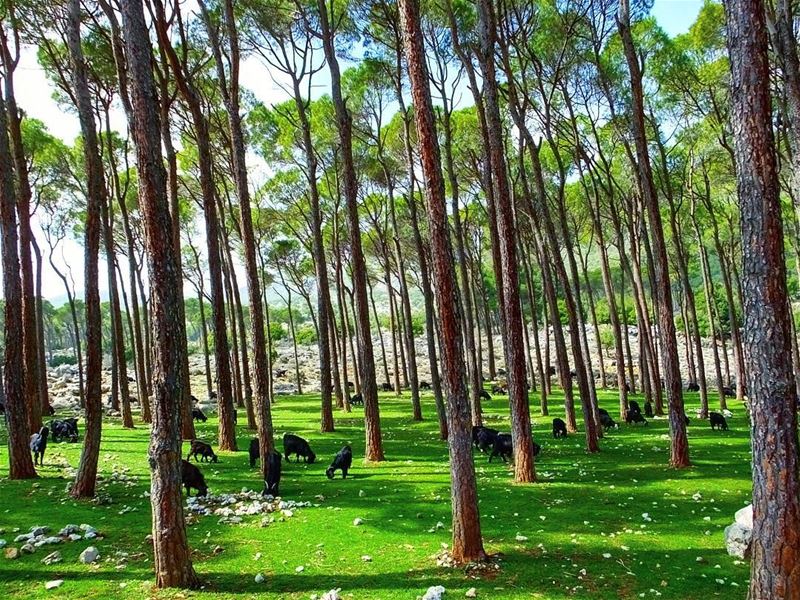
[(618, 524)]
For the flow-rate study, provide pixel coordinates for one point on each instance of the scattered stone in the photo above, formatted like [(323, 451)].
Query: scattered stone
[(331, 594), (69, 530), (74, 537), (49, 541), (260, 578), (3, 544), (89, 555), (300, 569), (358, 521), (471, 593), (366, 558), (24, 537), (28, 548), (521, 538), (52, 558), (435, 592), (12, 553), (218, 550), (55, 583), (39, 530)]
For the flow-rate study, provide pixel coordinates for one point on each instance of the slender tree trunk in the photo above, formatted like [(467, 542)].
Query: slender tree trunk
[(44, 397), (85, 479), (227, 428), (23, 195), (524, 471), (116, 321), (467, 543), (20, 464), (369, 389), (679, 454)]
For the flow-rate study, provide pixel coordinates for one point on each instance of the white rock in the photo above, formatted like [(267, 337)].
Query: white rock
[(521, 538), (331, 594), (366, 558), (89, 555), (435, 592), (744, 516), (738, 540), (471, 593), (259, 578), (300, 569), (55, 583), (358, 521), (3, 544), (51, 540)]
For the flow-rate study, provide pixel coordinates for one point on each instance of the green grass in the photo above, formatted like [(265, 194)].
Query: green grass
[(582, 508)]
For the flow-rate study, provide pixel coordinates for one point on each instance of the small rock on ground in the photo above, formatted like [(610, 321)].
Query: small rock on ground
[(435, 592), (89, 555), (55, 583)]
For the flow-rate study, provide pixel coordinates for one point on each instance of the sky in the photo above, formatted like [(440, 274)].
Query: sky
[(34, 95)]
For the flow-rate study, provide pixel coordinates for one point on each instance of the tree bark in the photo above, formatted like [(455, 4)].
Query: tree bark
[(467, 542), (679, 453), (775, 563), (20, 464), (172, 556), (369, 388), (85, 479)]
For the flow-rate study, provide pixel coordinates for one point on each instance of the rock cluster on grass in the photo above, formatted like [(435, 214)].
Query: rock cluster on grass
[(232, 507), (38, 537), (739, 534)]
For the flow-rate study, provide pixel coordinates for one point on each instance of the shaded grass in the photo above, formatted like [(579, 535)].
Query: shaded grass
[(584, 507)]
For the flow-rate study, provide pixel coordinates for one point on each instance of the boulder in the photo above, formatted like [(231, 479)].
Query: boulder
[(435, 592), (89, 555), (738, 540)]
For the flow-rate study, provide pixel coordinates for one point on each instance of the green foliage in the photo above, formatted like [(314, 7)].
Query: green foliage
[(306, 334), (62, 359)]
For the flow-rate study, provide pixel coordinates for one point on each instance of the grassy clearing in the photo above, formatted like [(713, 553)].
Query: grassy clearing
[(586, 533)]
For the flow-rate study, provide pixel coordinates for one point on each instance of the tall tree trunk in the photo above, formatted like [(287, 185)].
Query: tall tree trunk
[(20, 464), (23, 189), (44, 397), (326, 343), (774, 571), (85, 479), (467, 543), (369, 388), (116, 320), (517, 380), (679, 453), (172, 556), (227, 428)]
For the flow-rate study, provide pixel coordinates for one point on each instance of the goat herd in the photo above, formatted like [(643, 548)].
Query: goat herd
[(483, 438)]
